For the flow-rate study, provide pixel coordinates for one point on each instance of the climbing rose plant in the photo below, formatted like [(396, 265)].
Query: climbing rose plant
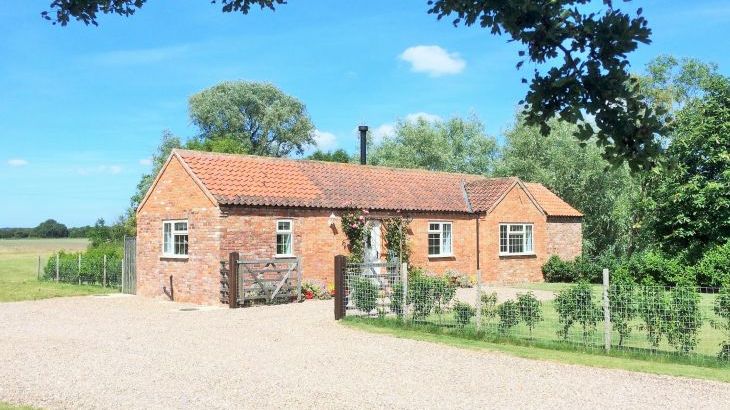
[(354, 225), (396, 237)]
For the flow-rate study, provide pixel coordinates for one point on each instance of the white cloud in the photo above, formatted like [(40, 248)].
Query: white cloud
[(413, 117), (17, 162), (101, 169), (382, 131), (145, 161), (325, 140), (433, 60), (140, 56)]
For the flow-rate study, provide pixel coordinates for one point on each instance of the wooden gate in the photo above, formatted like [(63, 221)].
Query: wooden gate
[(264, 281), (129, 266)]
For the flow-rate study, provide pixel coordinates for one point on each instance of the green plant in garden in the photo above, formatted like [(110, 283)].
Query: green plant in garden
[(509, 315), (685, 318), (420, 293), (530, 310), (354, 225), (463, 312), (489, 306), (654, 311), (396, 237), (443, 293), (722, 309), (459, 279), (576, 305), (714, 267), (621, 294), (364, 294), (397, 299)]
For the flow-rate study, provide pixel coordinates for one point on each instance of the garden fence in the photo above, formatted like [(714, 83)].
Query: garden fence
[(626, 317), (81, 269)]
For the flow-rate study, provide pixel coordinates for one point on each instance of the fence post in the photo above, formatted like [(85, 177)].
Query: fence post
[(79, 273), (340, 263), (39, 268), (233, 280), (103, 279), (606, 313), (479, 300), (404, 278), (57, 269)]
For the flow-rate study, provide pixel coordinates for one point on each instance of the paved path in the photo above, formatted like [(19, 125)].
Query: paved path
[(129, 352)]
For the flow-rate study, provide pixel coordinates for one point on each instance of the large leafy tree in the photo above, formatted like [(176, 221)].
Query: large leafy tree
[(338, 155), (252, 118), (50, 228), (577, 174), (456, 145), (582, 52), (689, 196)]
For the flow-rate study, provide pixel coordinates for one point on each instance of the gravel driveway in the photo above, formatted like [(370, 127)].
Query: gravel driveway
[(129, 352)]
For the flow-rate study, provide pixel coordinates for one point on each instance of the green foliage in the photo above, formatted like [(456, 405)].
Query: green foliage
[(580, 176), (654, 311), (354, 225), (558, 270), (685, 318), (318, 291), (463, 312), (364, 294), (509, 316), (339, 155), (456, 145), (722, 309), (489, 306), (91, 270), (420, 293), (585, 60), (101, 234), (714, 267), (397, 301), (443, 292), (250, 117), (459, 279), (581, 268), (577, 305), (530, 310), (621, 296), (85, 11), (656, 267), (396, 237), (50, 229), (689, 207)]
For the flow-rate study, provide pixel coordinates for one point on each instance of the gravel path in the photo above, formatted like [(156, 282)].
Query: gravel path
[(129, 352)]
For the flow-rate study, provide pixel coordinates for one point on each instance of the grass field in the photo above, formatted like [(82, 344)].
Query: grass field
[(19, 269)]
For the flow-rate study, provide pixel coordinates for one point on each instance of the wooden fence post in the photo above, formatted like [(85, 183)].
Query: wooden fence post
[(479, 300), (103, 280), (79, 268), (39, 268), (404, 279), (233, 280), (606, 313), (340, 264), (57, 269)]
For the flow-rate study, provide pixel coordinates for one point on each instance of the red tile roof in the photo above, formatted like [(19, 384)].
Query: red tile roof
[(552, 204), (265, 181)]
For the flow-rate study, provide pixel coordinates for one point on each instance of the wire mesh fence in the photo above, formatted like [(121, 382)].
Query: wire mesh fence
[(686, 321), (78, 268)]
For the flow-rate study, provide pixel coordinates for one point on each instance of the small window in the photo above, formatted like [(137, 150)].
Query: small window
[(284, 238), (175, 238), (515, 239), (439, 239)]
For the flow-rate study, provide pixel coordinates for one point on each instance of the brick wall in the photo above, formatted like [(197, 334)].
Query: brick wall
[(195, 279), (565, 237)]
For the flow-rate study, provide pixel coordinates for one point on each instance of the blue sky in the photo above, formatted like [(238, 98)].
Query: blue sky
[(82, 108)]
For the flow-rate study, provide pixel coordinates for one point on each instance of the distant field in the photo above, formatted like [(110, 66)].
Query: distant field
[(19, 269)]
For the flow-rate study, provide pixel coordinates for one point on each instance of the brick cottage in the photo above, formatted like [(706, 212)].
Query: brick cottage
[(202, 206)]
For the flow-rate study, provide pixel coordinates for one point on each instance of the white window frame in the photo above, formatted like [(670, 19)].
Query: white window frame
[(174, 233), (441, 237), (289, 232), (528, 241)]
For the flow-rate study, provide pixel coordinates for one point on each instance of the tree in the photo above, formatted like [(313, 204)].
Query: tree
[(689, 206), (577, 174), (339, 155), (587, 81), (50, 229), (249, 117), (86, 10), (456, 145)]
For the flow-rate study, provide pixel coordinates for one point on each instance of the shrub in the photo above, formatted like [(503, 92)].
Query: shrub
[(319, 292), (714, 267), (530, 309), (443, 293), (685, 318), (557, 270), (654, 311), (575, 304), (621, 294), (722, 309), (586, 269), (420, 293), (396, 299), (509, 316), (489, 306), (459, 279), (463, 312), (364, 294), (655, 266)]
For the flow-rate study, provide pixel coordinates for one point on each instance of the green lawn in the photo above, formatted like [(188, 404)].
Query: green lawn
[(19, 269), (615, 360), (8, 406)]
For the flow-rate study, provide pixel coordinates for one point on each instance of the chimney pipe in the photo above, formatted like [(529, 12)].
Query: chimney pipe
[(363, 144)]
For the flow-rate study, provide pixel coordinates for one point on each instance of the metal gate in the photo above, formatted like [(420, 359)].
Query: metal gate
[(129, 266)]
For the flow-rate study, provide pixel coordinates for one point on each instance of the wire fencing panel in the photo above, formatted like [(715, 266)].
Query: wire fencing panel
[(650, 320), (129, 266), (84, 269)]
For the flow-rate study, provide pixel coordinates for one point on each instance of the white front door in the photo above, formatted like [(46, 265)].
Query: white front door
[(372, 242)]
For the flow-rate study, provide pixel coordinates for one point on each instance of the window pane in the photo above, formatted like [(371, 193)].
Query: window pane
[(528, 238), (181, 226), (283, 244), (434, 244), (515, 228), (516, 243), (503, 238), (181, 244), (284, 226), (433, 227), (167, 238), (446, 239)]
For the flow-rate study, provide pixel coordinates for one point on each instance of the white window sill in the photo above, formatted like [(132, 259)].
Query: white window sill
[(182, 257), (446, 255), (517, 254), (284, 256)]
